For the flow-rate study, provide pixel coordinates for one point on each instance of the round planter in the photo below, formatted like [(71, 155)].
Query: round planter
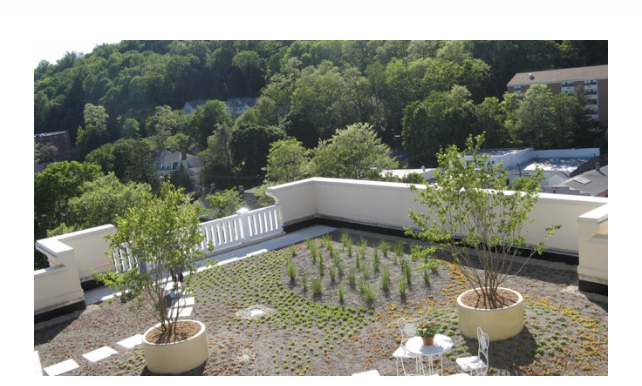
[(501, 323), (178, 357), (428, 340)]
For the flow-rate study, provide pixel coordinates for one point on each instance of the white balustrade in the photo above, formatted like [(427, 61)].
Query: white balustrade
[(245, 227)]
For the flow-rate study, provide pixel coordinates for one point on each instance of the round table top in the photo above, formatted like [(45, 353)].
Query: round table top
[(442, 343)]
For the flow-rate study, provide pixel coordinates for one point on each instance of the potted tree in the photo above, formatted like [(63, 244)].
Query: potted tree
[(161, 237), (471, 214)]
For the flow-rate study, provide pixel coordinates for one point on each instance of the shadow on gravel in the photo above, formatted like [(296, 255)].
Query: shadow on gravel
[(506, 356)]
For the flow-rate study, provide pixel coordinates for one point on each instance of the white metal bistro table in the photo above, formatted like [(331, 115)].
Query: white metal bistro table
[(442, 344)]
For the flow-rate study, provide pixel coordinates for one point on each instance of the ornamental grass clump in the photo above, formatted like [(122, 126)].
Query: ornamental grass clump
[(470, 207)]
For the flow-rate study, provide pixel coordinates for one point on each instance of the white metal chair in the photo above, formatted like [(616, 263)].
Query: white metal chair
[(407, 331), (477, 364)]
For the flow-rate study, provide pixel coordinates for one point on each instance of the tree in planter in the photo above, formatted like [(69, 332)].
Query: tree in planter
[(162, 235), (469, 208)]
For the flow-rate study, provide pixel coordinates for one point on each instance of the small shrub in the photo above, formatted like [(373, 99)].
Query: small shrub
[(402, 288), (321, 266), (376, 260), (317, 289), (367, 292), (431, 264), (345, 239), (333, 274), (406, 270), (291, 270), (384, 246), (341, 291), (426, 277), (398, 247), (292, 250), (365, 270), (313, 252), (385, 279), (352, 277)]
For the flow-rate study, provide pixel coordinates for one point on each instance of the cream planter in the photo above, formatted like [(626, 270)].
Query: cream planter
[(500, 324), (174, 358)]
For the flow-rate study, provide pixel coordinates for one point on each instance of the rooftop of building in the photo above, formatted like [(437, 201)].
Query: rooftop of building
[(560, 75)]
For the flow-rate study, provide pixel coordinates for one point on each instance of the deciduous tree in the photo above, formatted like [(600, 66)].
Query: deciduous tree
[(469, 207), (162, 235), (354, 152)]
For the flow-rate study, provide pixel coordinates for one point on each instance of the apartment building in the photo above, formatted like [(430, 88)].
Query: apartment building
[(594, 78)]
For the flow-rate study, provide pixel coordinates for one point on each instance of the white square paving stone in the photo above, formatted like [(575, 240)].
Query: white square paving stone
[(61, 368), (183, 302), (132, 341), (99, 354), (187, 311)]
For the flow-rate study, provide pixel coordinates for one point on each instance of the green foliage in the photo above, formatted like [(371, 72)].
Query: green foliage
[(54, 187), (384, 247), (291, 270), (333, 274), (287, 161), (469, 200), (321, 265), (162, 235), (401, 286), (376, 260), (352, 277), (430, 264), (206, 120), (218, 167), (355, 152), (341, 292), (224, 204), (317, 288), (250, 147), (103, 200), (426, 276), (368, 292), (398, 247), (385, 278), (406, 270), (95, 133)]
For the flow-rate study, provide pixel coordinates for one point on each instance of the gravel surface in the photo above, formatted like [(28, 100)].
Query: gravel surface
[(306, 333)]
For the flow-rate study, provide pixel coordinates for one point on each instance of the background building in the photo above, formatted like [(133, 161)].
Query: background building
[(594, 78)]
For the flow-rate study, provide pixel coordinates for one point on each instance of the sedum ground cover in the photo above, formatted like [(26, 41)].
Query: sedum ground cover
[(328, 311)]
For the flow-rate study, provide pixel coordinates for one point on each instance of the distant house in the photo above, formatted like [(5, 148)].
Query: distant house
[(193, 105), (594, 78), (60, 141), (237, 106), (169, 161)]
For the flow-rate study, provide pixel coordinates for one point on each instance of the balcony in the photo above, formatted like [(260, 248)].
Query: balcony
[(257, 243)]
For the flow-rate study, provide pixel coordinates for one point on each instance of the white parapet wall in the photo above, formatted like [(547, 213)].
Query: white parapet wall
[(386, 204), (71, 259), (74, 257), (594, 245)]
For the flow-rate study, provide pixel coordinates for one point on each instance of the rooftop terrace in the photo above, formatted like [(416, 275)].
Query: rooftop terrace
[(566, 328)]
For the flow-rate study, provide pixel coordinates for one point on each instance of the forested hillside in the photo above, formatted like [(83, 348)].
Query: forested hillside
[(308, 88), (326, 108)]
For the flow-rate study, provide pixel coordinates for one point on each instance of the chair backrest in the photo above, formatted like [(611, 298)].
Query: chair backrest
[(408, 330), (484, 342)]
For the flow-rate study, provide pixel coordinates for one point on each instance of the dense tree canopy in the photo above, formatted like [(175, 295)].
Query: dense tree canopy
[(342, 105), (354, 152)]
